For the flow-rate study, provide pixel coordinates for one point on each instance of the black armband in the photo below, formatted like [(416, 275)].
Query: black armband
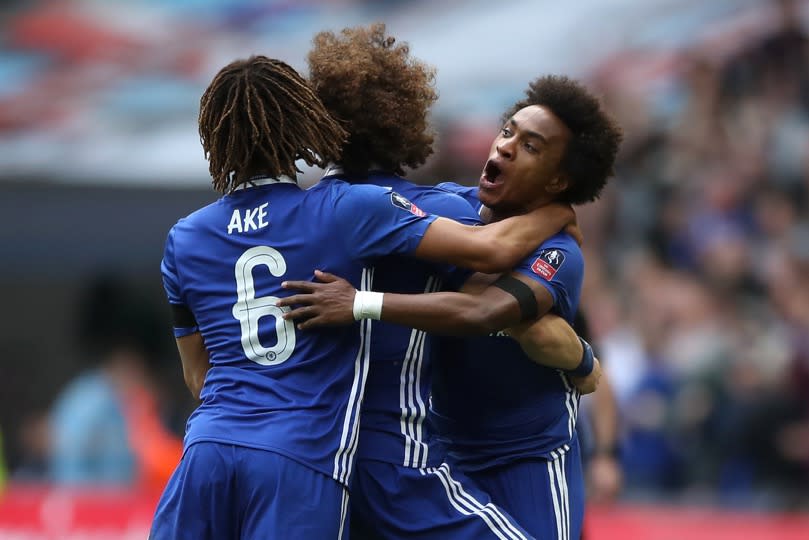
[(524, 295), (182, 316)]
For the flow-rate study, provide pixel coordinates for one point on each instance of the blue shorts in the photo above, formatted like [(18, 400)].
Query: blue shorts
[(545, 497), (393, 501), (221, 491)]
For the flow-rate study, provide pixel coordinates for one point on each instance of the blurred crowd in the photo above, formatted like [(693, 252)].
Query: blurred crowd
[(697, 281), (85, 81), (697, 277), (117, 421)]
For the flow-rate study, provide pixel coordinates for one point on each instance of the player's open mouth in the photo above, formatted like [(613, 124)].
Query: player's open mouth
[(491, 175)]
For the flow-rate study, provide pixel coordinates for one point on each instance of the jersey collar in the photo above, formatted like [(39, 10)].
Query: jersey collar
[(334, 170), (337, 170), (264, 181)]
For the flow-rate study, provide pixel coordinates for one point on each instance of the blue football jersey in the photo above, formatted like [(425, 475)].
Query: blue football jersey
[(490, 403), (397, 393), (467, 193), (271, 386)]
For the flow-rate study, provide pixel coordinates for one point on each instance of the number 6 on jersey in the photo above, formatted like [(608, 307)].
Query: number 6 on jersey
[(248, 309)]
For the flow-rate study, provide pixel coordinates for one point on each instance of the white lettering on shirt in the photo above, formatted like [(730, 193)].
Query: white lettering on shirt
[(235, 222), (253, 220)]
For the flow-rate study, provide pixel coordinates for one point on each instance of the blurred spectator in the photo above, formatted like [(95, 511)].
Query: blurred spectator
[(697, 267), (598, 427), (105, 424), (34, 441)]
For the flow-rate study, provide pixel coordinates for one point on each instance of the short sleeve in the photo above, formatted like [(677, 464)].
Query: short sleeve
[(373, 221), (446, 204), (171, 284), (468, 193), (449, 204), (557, 265)]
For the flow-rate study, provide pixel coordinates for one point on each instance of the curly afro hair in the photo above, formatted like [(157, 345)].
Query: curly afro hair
[(595, 135), (381, 95)]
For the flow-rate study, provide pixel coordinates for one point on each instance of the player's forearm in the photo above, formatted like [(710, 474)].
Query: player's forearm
[(492, 248), (518, 236), (550, 342), (476, 248), (447, 313)]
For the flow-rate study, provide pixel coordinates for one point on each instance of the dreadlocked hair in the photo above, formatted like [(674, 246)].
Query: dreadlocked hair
[(595, 135), (258, 116)]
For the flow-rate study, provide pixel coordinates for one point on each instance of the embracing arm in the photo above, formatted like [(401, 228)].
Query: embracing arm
[(553, 343), (461, 313), (496, 247), (482, 309), (194, 357), (333, 301), (550, 341)]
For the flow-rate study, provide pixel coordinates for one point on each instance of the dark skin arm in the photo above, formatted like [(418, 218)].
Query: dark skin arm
[(195, 360), (479, 309), (496, 247), (459, 314), (447, 313), (550, 342)]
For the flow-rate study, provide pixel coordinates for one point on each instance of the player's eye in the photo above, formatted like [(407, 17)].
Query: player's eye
[(505, 131), (531, 148)]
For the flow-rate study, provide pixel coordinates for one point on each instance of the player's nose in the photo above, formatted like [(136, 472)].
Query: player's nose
[(505, 148)]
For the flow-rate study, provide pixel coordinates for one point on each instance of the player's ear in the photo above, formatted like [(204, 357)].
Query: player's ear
[(558, 184)]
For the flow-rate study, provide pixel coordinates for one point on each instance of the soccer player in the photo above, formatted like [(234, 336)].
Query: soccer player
[(402, 487), (270, 450), (509, 424)]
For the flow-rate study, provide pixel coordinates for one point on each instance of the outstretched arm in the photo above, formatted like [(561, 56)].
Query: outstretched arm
[(496, 247), (548, 341), (333, 301)]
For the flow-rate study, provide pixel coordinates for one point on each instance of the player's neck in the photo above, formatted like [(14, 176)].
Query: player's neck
[(338, 169), (490, 215), (249, 176)]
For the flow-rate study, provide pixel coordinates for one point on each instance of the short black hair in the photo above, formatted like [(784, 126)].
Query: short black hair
[(596, 136)]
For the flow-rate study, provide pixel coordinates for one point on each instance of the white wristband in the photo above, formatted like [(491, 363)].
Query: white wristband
[(368, 305)]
